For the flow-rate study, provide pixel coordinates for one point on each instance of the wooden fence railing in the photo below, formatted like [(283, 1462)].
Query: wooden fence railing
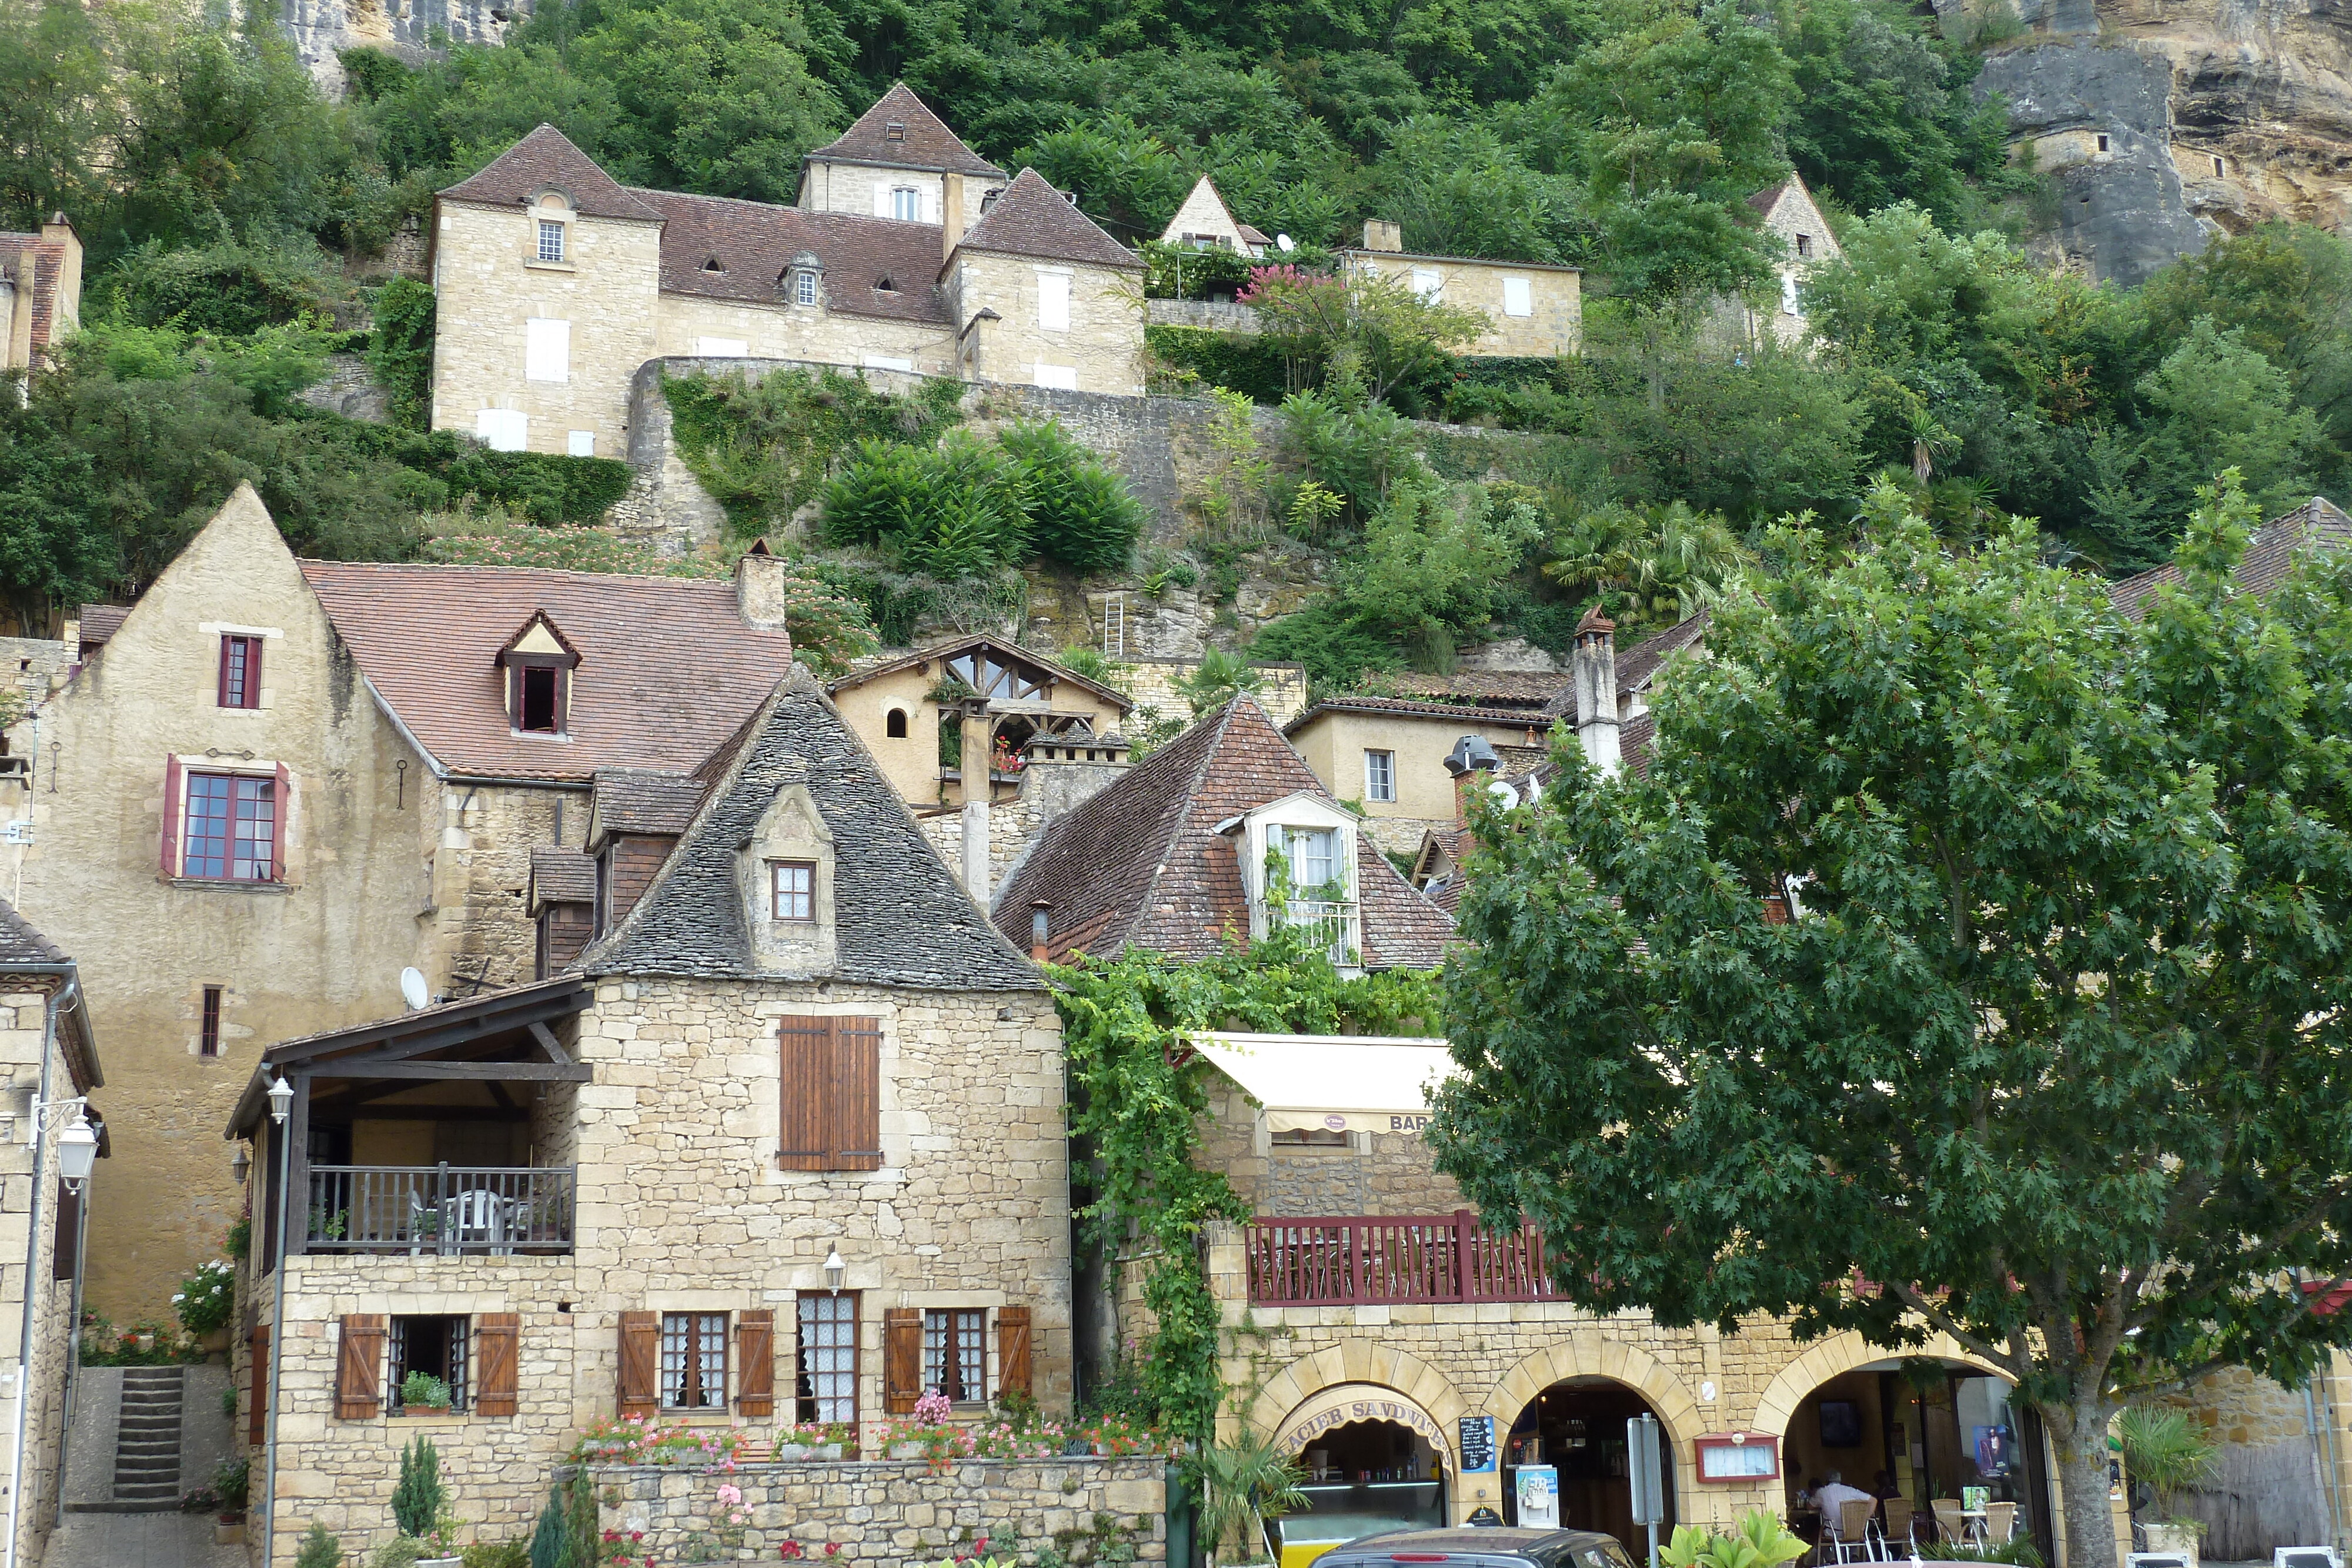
[(1374, 1259)]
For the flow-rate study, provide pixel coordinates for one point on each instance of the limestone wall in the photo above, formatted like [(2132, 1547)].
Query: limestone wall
[(882, 1514), (1374, 1172), (25, 1044), (1099, 348)]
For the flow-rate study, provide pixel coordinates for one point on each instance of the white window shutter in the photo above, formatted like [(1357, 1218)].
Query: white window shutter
[(721, 348), (1518, 299), (1064, 377), (502, 429), (583, 443), (881, 198), (1054, 301), (547, 349), (1428, 282)]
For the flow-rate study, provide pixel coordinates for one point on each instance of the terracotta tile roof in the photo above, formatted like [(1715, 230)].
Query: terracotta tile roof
[(21, 943), (754, 243), (667, 668), (543, 160), (560, 876), (1406, 707), (100, 622), (2316, 525), (643, 800), (1636, 738), (1475, 689), (1141, 864), (899, 917), (1000, 653), (926, 142), (1032, 218)]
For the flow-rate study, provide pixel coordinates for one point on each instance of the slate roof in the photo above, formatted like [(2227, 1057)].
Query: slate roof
[(643, 800), (1140, 864), (667, 667), (1503, 689), (543, 160), (560, 876), (1033, 219), (1409, 707), (754, 243), (21, 943), (901, 919), (100, 622), (928, 143), (2317, 524)]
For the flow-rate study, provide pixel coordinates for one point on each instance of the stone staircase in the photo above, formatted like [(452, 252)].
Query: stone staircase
[(147, 1441)]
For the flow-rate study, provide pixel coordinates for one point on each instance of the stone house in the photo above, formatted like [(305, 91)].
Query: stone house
[(1787, 212), (553, 283), (270, 786), (40, 293), (50, 1060), (1205, 223), (784, 1144), (1533, 311)]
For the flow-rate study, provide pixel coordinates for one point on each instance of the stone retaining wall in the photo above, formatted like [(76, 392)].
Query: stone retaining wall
[(887, 1513)]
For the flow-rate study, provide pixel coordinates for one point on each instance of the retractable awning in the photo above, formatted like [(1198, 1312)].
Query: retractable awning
[(1326, 1082)]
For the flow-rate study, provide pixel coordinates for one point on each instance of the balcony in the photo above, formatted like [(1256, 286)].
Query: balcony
[(1380, 1260), (1333, 924), (440, 1209)]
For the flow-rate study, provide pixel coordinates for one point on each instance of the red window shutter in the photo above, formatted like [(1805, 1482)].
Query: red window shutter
[(495, 1349), (285, 809), (902, 1359), (66, 1256), (755, 1352), (1012, 1350), (806, 1135), (359, 1367), (256, 1407), (640, 1346), (857, 1094), (172, 814), (227, 651), (253, 671)]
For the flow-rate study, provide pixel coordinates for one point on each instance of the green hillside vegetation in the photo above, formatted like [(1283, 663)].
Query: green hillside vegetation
[(228, 206)]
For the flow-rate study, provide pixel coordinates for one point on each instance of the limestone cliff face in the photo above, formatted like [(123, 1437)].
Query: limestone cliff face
[(404, 28), (2165, 122)]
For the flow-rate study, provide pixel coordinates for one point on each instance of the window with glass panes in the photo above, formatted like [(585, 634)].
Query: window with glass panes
[(792, 888), (1314, 855), (694, 1361), (232, 827), (551, 240), (825, 1362), (1380, 775), (955, 1355), (435, 1346), (906, 204), (240, 671)]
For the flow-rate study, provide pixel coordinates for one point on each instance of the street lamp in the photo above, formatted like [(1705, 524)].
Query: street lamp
[(239, 1163), (836, 1271), (281, 1100), (77, 1151), (281, 1104)]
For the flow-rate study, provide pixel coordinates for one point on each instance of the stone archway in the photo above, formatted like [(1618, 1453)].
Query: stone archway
[(1358, 1360), (1839, 1353), (1596, 1355)]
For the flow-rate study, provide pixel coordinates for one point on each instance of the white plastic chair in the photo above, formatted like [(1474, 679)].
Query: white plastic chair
[(476, 1216)]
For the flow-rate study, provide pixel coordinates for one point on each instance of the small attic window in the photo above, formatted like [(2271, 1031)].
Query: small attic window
[(1804, 245), (541, 701), (893, 131), (713, 265), (539, 663), (2103, 142), (884, 284)]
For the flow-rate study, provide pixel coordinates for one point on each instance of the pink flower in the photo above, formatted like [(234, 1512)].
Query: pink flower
[(728, 1496)]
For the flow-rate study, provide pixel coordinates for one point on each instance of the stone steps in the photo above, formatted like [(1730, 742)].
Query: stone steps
[(147, 1441)]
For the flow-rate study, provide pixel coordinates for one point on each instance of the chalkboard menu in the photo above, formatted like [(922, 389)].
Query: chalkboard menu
[(1477, 1443)]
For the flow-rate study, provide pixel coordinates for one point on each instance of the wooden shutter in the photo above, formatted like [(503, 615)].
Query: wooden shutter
[(171, 814), (220, 693), (640, 1345), (1012, 1350), (66, 1256), (755, 1352), (902, 1359), (495, 1348), (359, 1367), (253, 671), (831, 1081), (284, 793), (257, 1409)]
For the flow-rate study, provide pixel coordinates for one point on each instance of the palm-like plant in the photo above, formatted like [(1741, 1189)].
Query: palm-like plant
[(1243, 1483), (2164, 1448), (1651, 566)]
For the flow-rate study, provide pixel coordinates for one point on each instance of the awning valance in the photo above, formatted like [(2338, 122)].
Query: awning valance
[(1325, 1082)]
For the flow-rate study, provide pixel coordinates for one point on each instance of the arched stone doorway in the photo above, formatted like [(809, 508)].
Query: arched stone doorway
[(1915, 1428), (1576, 1428), (1375, 1460)]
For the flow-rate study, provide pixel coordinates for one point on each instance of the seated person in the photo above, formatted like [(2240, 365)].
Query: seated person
[(1833, 1494), (1884, 1487)]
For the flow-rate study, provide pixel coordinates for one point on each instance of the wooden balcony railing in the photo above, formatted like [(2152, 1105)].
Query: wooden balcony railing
[(1376, 1258), (439, 1209)]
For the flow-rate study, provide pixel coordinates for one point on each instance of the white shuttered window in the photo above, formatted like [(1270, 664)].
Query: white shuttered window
[(1064, 377), (1518, 299), (502, 429), (1054, 301), (547, 350)]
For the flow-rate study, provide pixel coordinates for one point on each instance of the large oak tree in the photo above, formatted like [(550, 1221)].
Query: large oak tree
[(2052, 1058)]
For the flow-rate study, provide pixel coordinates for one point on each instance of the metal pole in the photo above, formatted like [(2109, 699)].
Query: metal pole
[(276, 1354)]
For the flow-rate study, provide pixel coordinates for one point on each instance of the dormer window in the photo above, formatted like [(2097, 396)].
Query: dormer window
[(539, 664), (893, 131), (883, 285), (1297, 857), (1314, 857), (786, 883), (713, 266), (804, 281)]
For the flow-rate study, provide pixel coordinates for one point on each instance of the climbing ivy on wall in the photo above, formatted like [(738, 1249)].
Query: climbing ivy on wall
[(1137, 1098)]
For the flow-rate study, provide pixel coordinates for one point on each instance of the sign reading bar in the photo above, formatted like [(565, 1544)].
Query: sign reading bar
[(1477, 1443)]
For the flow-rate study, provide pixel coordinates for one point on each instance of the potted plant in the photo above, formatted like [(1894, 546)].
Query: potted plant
[(231, 1483), (2164, 1447), (421, 1393), (1761, 1541), (1243, 1484)]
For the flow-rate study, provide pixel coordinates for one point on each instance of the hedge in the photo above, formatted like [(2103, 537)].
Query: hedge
[(1234, 360)]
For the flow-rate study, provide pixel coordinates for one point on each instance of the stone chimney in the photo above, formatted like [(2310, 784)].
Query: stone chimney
[(950, 214), (760, 588), (1593, 670), (66, 301), (1472, 761), (1382, 234)]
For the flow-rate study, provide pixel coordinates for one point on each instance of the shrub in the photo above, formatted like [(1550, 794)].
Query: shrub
[(1252, 366), (227, 289), (233, 1483), (206, 1297), (497, 1554), (400, 350), (1080, 513), (422, 1388), (548, 1542), (1337, 648), (419, 1500), (319, 1549)]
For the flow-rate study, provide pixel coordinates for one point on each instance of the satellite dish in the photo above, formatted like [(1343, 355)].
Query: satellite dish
[(1284, 242), (1507, 794), (412, 988)]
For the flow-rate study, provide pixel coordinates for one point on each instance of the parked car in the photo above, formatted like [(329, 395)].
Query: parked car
[(1477, 1548)]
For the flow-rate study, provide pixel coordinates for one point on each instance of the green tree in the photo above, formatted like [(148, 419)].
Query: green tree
[(2052, 1053), (1648, 567), (418, 1499), (1434, 560), (2216, 403), (319, 1549)]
